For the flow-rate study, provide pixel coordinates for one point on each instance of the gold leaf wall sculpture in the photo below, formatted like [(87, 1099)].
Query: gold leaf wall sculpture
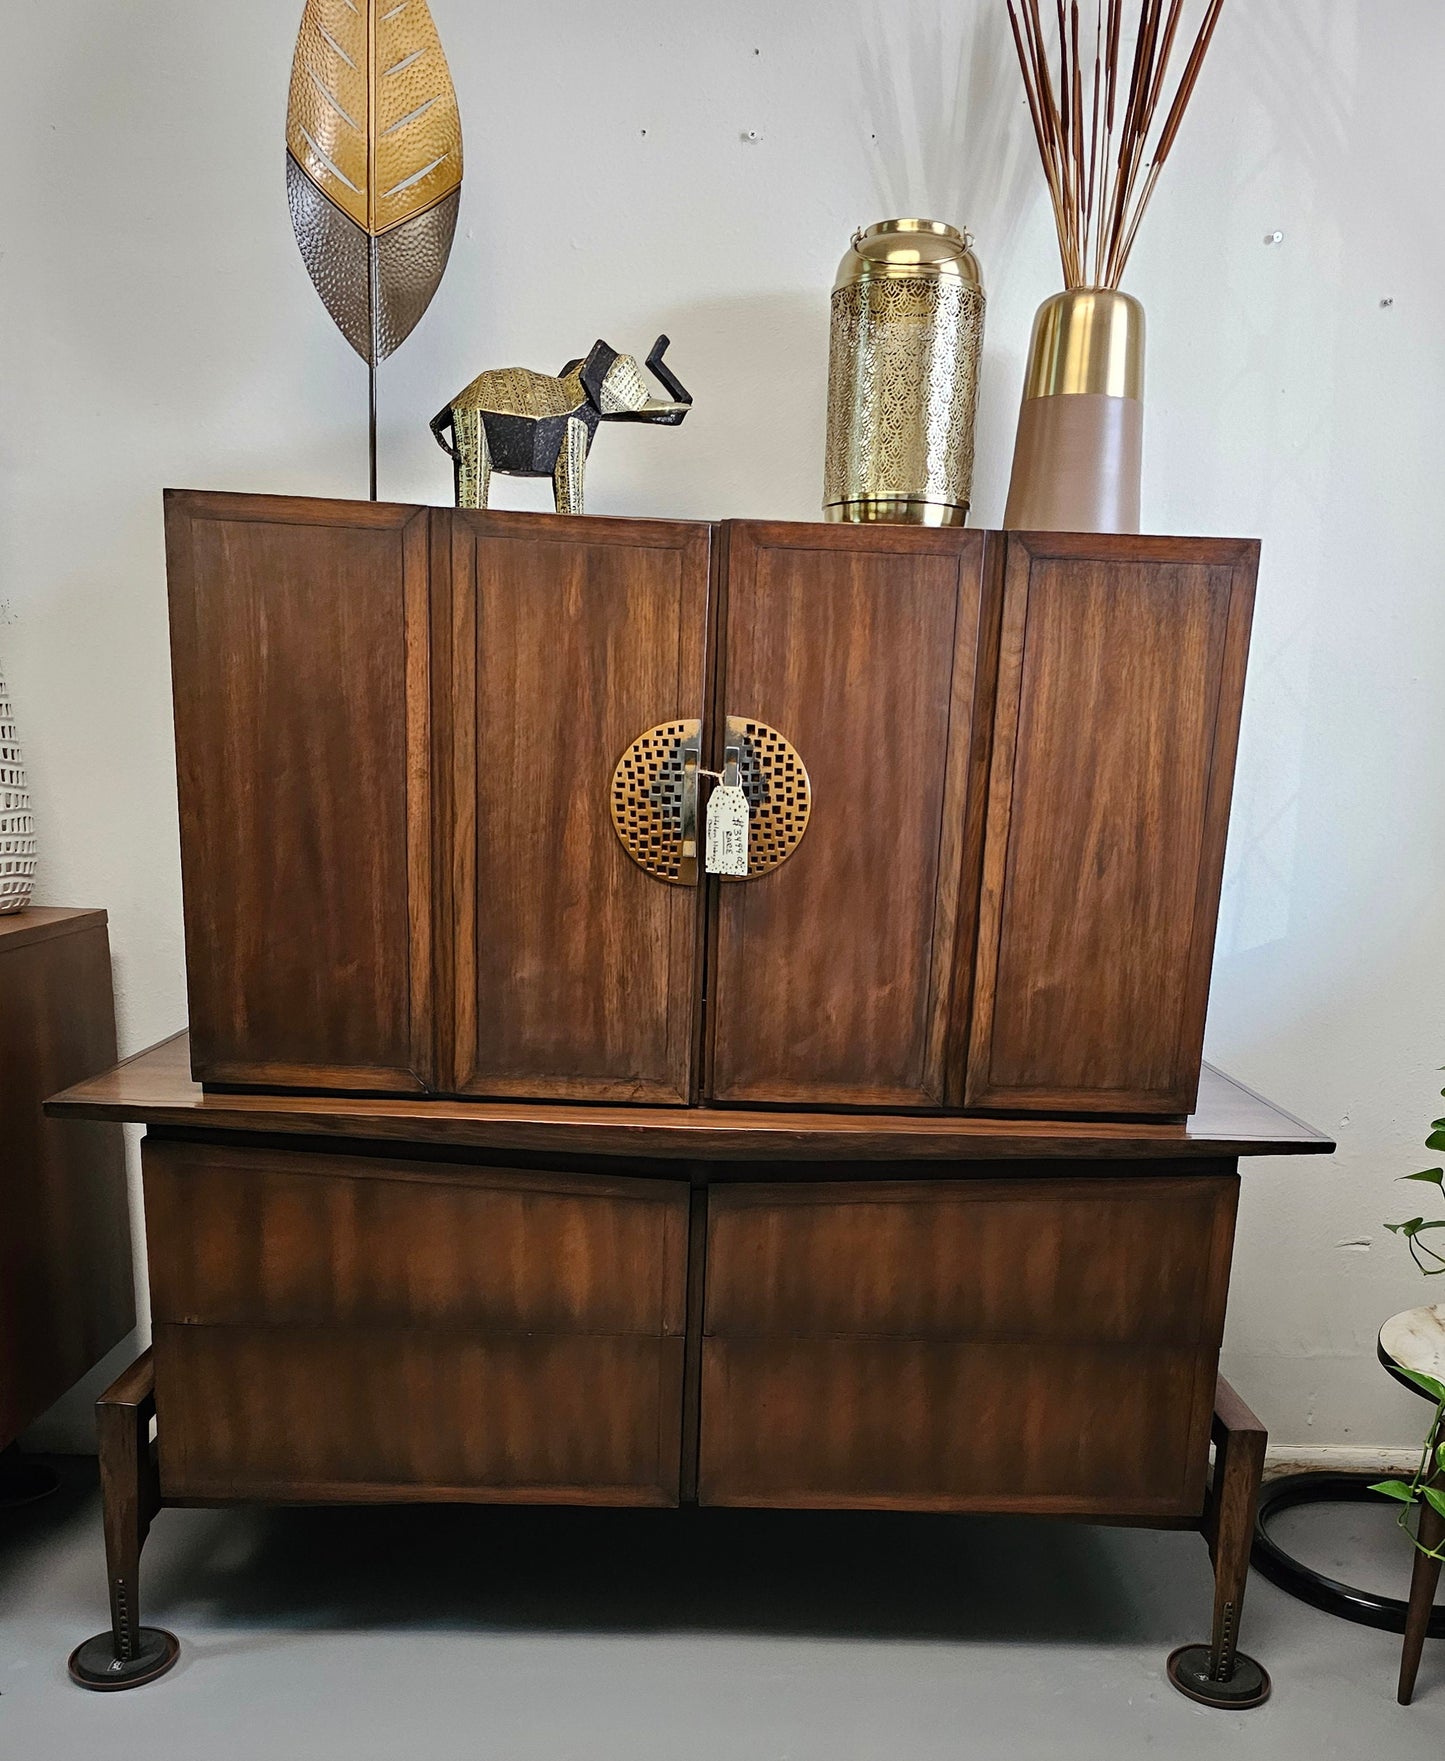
[(373, 165)]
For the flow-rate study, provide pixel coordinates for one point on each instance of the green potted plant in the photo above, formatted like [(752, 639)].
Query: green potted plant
[(1428, 1484)]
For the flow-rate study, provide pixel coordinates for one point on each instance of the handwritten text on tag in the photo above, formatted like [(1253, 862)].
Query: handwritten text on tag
[(727, 831)]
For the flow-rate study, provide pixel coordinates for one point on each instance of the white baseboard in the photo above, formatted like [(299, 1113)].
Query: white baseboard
[(1341, 1459)]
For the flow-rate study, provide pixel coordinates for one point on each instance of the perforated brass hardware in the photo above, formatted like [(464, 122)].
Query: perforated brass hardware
[(775, 781), (654, 796), (654, 801)]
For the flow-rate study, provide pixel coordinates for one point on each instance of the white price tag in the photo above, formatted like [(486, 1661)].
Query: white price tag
[(727, 832)]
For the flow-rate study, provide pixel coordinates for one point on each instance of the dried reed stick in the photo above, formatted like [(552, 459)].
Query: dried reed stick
[(1096, 171)]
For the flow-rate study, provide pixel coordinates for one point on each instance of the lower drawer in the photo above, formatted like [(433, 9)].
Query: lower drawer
[(301, 1414), (905, 1424)]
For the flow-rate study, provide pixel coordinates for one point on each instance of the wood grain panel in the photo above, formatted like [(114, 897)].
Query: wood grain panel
[(576, 972), (66, 1283), (1111, 1261), (299, 640), (1120, 684), (296, 1414), (902, 1424), (832, 976), (289, 1237), (1041, 1343)]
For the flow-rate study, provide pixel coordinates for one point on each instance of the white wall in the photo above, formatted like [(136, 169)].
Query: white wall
[(157, 326)]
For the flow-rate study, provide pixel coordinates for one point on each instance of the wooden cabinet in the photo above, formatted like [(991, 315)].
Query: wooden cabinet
[(398, 731), (347, 1327), (1121, 675), (66, 1283)]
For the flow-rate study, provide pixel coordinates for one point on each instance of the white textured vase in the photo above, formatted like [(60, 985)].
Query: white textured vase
[(17, 828)]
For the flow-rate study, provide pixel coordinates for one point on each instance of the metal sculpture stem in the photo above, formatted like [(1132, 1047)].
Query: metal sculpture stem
[(371, 382), (373, 294)]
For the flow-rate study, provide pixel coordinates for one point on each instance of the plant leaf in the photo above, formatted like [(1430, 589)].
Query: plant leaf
[(374, 164), (1435, 1498), (1435, 1176), (1427, 1384), (1435, 1141), (1395, 1489)]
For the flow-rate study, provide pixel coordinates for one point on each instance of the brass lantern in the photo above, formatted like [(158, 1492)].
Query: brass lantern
[(907, 333)]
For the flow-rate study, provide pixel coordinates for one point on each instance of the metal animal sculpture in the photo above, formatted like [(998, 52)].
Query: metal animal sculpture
[(373, 168), (527, 424)]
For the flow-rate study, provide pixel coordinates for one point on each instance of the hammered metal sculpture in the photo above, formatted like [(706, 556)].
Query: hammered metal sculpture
[(373, 168), (527, 424)]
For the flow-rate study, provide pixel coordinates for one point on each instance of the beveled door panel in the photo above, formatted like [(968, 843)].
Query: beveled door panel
[(300, 655), (352, 1327), (575, 968), (986, 1344), (1121, 674), (832, 974)]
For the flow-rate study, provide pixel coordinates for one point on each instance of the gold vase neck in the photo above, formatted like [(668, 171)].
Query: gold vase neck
[(892, 250), (1087, 340)]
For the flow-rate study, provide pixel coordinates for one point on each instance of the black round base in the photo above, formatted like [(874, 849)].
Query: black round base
[(1188, 1669), (95, 1664), (1387, 1613), (23, 1481)]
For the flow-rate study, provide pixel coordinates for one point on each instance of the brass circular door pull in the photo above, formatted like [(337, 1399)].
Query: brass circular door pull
[(654, 800), (780, 795)]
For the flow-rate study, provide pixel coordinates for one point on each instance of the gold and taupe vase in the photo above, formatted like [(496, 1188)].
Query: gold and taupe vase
[(907, 329), (1081, 425)]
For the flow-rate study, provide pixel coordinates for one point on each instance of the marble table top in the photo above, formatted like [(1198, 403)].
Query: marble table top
[(1415, 1339)]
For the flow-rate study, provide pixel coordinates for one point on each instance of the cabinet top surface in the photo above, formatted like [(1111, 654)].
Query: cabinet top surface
[(322, 510), (41, 922), (156, 1088)]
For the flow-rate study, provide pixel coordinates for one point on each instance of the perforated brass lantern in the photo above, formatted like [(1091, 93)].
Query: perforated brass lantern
[(907, 334), (654, 797)]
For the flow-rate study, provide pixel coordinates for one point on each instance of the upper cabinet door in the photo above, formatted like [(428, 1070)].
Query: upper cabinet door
[(833, 973), (576, 966), (1120, 679), (299, 634)]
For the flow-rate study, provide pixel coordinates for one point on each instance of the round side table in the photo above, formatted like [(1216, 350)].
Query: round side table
[(1415, 1340), (1412, 1340)]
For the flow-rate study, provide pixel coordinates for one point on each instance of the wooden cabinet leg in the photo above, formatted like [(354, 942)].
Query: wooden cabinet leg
[(1219, 1674), (1423, 1583), (129, 1654)]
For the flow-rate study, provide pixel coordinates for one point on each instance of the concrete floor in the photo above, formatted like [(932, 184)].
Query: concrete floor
[(549, 1635)]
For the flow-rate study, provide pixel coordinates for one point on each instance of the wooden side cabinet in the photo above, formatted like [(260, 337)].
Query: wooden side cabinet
[(66, 1283), (988, 779)]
